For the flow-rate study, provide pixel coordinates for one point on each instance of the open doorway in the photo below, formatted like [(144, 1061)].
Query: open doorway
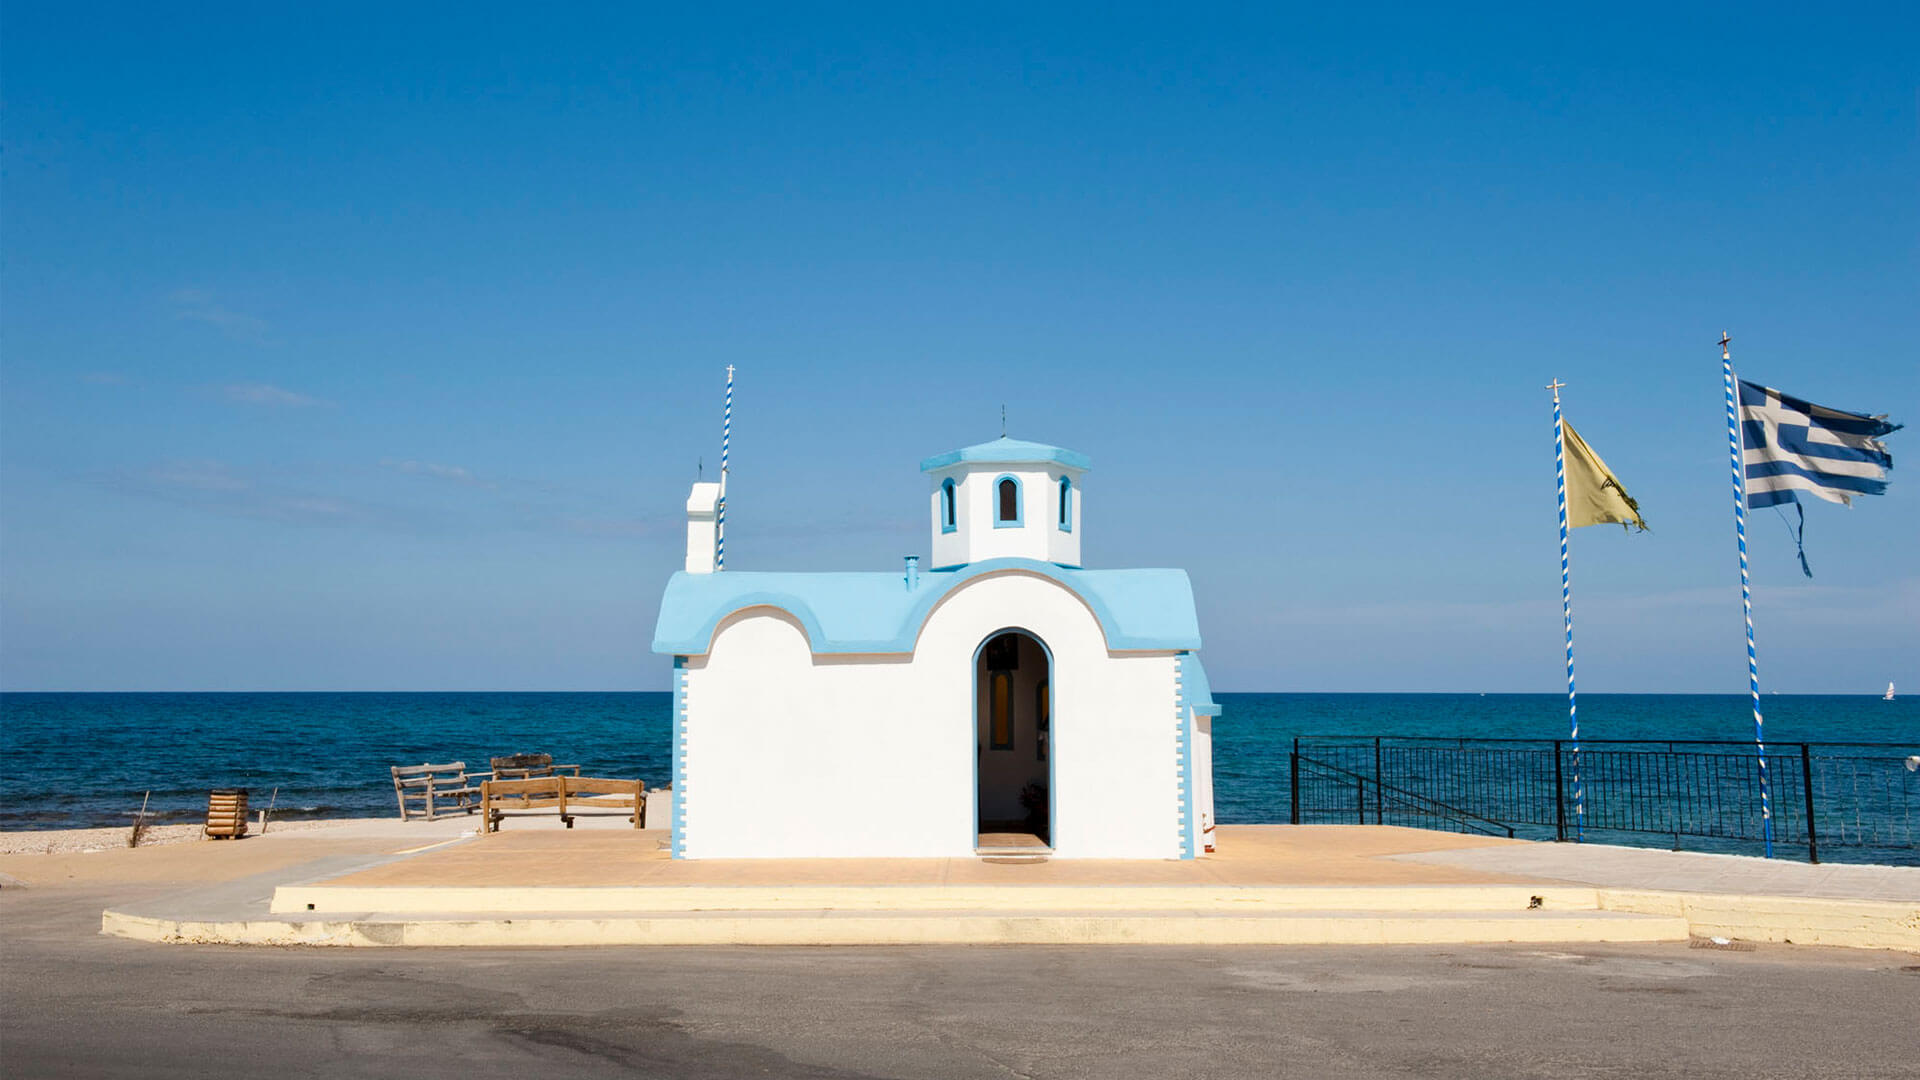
[(1013, 733)]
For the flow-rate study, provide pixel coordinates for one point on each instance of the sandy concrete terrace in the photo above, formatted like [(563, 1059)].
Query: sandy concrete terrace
[(1400, 885), (1248, 855), (199, 861)]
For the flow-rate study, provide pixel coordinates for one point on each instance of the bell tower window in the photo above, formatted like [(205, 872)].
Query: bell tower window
[(1006, 499), (947, 517), (1066, 504)]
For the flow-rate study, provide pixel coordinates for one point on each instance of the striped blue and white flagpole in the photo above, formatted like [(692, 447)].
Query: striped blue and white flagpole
[(1746, 587), (1566, 610), (720, 511)]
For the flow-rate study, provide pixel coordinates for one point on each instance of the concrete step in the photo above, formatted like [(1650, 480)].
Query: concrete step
[(503, 900), (795, 927)]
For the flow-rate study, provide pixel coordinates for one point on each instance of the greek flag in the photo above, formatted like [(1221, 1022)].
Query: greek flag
[(1792, 446)]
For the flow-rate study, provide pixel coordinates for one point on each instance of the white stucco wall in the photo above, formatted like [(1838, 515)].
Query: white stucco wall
[(791, 755), (948, 548), (702, 535), (976, 538), (1063, 545)]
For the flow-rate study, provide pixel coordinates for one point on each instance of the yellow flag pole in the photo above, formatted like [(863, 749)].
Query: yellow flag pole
[(1566, 609)]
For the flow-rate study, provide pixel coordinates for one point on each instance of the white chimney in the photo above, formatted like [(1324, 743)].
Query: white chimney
[(702, 504)]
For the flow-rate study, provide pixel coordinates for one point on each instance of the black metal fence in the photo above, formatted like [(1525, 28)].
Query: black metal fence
[(1850, 802)]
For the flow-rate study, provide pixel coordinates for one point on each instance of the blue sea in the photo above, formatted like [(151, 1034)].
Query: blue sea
[(88, 759)]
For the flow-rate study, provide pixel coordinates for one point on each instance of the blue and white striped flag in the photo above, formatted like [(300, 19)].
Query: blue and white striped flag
[(1789, 446), (1792, 445)]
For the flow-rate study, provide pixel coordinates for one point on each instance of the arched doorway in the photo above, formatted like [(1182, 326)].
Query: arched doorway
[(1013, 735)]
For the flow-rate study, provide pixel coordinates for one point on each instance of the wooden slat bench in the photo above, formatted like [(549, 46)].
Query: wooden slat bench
[(427, 790), (528, 766), (563, 794)]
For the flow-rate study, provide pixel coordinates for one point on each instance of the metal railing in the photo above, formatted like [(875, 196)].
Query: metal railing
[(1853, 801), (1380, 796)]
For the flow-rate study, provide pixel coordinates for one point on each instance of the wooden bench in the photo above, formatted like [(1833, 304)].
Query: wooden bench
[(561, 793), (527, 767), (427, 790)]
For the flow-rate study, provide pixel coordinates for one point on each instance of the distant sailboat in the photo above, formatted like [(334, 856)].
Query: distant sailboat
[(1888, 696)]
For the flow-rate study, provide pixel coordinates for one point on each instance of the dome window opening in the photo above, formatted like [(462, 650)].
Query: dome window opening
[(1006, 495)]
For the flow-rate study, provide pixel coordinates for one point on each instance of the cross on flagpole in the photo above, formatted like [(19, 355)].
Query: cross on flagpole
[(1566, 607), (1746, 585)]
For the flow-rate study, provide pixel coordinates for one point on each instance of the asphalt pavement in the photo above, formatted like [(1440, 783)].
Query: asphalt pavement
[(74, 1003)]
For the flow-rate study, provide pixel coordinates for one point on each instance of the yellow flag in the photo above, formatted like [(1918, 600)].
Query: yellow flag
[(1594, 495)]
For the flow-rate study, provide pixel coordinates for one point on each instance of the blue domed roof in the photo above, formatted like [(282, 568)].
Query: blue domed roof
[(1005, 451)]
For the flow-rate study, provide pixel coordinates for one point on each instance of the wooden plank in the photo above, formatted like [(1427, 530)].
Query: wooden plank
[(416, 770), (601, 785), (419, 789), (525, 786)]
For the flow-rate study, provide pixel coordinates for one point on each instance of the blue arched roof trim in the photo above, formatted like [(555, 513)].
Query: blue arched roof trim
[(1138, 610)]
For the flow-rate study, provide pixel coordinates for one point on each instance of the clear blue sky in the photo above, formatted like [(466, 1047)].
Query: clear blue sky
[(373, 346)]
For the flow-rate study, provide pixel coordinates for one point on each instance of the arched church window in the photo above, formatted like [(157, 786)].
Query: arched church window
[(1003, 659), (947, 517), (1066, 504), (1000, 709), (1006, 492)]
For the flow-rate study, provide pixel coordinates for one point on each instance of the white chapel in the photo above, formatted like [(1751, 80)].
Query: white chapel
[(1002, 698)]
